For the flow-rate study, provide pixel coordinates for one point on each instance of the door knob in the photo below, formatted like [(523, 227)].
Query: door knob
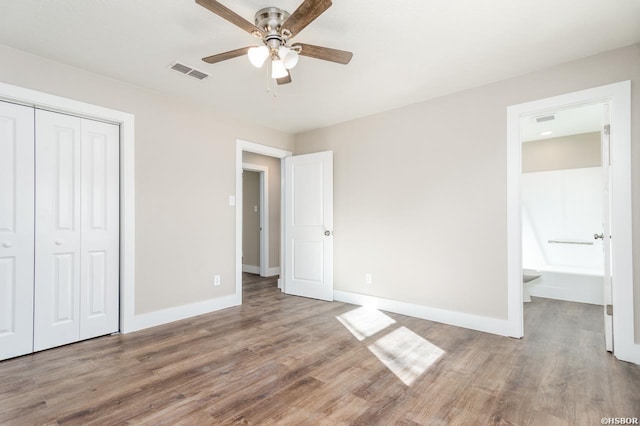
[(327, 233), (598, 236), (59, 242), (7, 244)]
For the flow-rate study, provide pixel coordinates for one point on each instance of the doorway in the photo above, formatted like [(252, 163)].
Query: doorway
[(252, 221), (565, 203), (267, 162), (618, 95)]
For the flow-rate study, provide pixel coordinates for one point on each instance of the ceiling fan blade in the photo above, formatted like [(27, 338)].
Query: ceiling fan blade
[(226, 55), (284, 80), (231, 16), (324, 53), (306, 13)]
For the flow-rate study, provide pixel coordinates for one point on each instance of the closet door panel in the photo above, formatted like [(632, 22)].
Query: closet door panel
[(16, 230), (57, 251), (99, 229)]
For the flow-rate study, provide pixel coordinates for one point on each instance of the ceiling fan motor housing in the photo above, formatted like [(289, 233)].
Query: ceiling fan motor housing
[(270, 20)]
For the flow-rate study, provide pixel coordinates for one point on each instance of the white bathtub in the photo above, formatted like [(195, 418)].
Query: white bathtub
[(561, 210), (570, 284)]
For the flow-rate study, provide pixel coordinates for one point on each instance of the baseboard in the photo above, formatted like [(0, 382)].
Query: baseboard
[(251, 269), (272, 272), (164, 316), (458, 319)]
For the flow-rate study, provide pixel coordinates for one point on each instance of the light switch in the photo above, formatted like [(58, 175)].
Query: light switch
[(232, 200), (255, 209)]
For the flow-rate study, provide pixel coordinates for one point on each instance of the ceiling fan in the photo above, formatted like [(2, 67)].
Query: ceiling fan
[(275, 28)]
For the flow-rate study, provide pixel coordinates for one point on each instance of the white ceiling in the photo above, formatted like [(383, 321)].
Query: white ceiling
[(404, 51)]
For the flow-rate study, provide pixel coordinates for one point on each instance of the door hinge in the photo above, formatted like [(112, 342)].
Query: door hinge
[(610, 310), (607, 129)]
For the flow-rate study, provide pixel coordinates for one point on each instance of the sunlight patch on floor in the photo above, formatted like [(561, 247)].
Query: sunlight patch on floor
[(364, 322), (406, 354), (403, 352)]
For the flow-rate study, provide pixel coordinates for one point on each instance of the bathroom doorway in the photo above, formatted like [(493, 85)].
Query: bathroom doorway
[(565, 211), (618, 96)]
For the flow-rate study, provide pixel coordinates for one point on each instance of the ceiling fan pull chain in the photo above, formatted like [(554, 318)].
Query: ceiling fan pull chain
[(268, 77)]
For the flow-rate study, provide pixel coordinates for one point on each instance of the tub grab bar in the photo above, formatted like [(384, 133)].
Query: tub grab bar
[(584, 243)]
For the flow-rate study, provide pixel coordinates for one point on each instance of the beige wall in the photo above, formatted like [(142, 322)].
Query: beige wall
[(250, 218), (567, 152), (185, 172), (273, 166), (420, 192)]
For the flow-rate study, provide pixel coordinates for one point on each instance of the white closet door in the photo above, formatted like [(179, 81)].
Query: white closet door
[(57, 252), (16, 230), (99, 229)]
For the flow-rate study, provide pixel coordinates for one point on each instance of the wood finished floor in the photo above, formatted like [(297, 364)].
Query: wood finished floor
[(287, 360)]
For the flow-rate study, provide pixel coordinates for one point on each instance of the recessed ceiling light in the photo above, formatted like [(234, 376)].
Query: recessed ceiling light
[(547, 133)]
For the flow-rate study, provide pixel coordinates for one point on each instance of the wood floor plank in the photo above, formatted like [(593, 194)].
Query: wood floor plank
[(287, 360)]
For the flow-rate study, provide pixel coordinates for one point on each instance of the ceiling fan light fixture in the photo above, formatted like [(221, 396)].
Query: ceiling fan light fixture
[(288, 56), (278, 70), (291, 60), (283, 51), (257, 55)]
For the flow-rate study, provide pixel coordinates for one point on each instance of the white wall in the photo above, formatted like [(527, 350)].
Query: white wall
[(185, 172), (420, 192)]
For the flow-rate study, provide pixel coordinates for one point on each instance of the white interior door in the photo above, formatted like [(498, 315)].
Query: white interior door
[(99, 257), (57, 253), (309, 225), (16, 230), (77, 229), (606, 231)]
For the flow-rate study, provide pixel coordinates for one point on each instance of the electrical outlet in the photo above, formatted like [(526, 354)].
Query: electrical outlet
[(216, 280), (368, 278)]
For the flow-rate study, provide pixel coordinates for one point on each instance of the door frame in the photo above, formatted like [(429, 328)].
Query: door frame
[(619, 97), (245, 146), (41, 100), (263, 172)]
